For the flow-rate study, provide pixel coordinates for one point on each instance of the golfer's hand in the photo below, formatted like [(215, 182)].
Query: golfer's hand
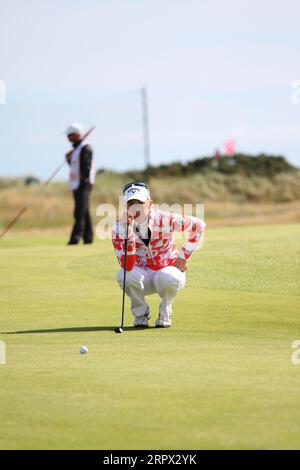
[(180, 264), (127, 219)]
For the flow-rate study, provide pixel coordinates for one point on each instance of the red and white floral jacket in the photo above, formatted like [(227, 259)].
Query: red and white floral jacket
[(161, 251)]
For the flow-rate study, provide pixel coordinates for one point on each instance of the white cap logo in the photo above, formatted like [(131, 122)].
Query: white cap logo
[(139, 193)]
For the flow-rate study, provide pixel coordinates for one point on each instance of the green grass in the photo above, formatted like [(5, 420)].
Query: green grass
[(221, 377)]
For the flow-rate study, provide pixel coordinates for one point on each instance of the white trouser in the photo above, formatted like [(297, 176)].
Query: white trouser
[(166, 282)]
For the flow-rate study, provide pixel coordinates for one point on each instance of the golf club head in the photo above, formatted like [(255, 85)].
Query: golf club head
[(119, 330)]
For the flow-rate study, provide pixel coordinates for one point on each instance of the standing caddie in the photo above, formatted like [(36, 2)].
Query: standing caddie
[(81, 181)]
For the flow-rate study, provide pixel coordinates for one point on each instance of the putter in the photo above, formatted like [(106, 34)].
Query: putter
[(120, 328)]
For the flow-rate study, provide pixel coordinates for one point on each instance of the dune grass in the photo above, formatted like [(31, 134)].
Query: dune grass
[(226, 197)]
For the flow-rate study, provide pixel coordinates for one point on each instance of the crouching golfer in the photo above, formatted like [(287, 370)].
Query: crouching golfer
[(153, 263)]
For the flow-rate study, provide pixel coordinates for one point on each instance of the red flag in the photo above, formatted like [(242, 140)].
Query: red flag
[(229, 147)]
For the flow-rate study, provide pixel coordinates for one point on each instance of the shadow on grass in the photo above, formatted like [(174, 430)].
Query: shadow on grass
[(74, 330)]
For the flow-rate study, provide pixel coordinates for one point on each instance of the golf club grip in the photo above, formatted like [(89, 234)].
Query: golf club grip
[(19, 214)]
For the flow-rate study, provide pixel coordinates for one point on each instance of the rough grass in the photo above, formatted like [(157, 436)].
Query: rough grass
[(221, 377), (233, 199)]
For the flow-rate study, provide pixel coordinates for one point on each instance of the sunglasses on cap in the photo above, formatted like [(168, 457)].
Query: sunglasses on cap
[(134, 183)]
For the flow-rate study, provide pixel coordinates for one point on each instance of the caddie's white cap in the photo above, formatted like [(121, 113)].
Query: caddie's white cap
[(141, 193), (74, 128)]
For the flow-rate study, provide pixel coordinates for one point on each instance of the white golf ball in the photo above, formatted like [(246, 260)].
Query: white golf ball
[(83, 349)]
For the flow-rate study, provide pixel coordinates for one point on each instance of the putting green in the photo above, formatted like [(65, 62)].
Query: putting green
[(221, 377)]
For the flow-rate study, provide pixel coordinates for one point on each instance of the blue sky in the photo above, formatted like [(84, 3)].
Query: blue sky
[(214, 70)]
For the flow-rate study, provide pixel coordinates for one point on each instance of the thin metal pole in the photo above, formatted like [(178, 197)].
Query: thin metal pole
[(146, 139), (124, 274)]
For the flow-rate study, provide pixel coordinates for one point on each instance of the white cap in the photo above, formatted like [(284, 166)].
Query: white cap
[(74, 128), (136, 192)]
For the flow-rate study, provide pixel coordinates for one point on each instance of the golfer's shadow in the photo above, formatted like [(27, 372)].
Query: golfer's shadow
[(76, 329)]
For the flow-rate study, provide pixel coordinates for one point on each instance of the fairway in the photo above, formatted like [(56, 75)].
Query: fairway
[(220, 378)]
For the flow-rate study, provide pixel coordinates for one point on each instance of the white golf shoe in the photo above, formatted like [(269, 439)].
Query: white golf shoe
[(142, 321), (164, 321)]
